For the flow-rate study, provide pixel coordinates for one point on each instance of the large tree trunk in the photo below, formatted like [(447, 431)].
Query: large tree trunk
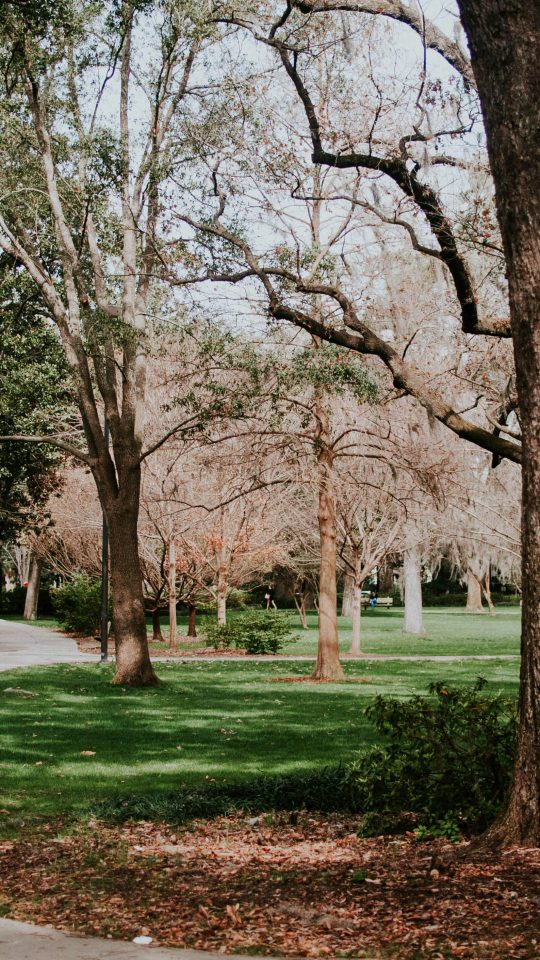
[(504, 37), (133, 667), (32, 592), (474, 594), (172, 592), (192, 620), (355, 647), (412, 578), (328, 666), (348, 596)]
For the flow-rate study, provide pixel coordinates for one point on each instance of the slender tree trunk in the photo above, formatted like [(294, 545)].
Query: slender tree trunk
[(32, 592), (133, 667), (412, 577), (172, 592), (504, 36), (355, 647), (192, 618), (385, 579), (157, 635), (301, 608), (474, 594), (485, 584), (328, 666), (221, 602), (348, 596)]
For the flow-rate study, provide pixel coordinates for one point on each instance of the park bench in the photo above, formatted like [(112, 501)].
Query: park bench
[(381, 601)]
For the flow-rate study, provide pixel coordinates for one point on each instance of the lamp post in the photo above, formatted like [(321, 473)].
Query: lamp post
[(105, 574)]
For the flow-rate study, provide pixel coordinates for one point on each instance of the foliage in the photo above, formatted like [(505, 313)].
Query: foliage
[(32, 394), (329, 790), (448, 756), (78, 604), (256, 632)]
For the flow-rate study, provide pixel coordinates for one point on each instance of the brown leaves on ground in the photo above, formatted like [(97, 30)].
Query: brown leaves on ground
[(307, 888)]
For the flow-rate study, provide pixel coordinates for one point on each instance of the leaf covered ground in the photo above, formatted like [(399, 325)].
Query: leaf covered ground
[(287, 885)]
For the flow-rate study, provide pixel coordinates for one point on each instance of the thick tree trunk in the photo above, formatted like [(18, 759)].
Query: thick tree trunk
[(474, 594), (348, 596), (504, 36), (32, 592), (171, 578), (133, 667), (355, 647), (192, 620), (412, 581), (328, 666), (157, 635)]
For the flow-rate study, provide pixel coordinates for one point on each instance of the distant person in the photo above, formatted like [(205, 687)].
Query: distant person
[(269, 597), (373, 599)]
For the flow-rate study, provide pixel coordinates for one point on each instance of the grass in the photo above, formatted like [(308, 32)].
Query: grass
[(449, 631), (80, 740)]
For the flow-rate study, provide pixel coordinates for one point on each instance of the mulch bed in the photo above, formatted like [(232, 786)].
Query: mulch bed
[(296, 886)]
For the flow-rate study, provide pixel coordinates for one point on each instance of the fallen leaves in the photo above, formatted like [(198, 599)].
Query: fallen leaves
[(310, 888)]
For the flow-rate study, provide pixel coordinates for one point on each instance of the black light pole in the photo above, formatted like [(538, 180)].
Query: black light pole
[(105, 574)]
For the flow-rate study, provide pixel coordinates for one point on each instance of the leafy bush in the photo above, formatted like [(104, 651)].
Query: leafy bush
[(78, 604), (256, 632), (447, 755)]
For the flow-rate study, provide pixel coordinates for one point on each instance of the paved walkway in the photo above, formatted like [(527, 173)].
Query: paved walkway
[(24, 941), (22, 645)]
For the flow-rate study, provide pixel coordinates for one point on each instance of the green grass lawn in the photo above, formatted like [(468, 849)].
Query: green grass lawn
[(205, 720), (450, 631)]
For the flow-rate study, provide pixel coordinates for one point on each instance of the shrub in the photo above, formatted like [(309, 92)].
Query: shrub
[(78, 604), (449, 755), (256, 632)]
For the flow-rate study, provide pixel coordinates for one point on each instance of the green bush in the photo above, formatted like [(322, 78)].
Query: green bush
[(449, 755), (256, 632), (78, 604)]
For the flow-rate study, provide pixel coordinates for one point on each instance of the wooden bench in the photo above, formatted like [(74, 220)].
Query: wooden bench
[(381, 601)]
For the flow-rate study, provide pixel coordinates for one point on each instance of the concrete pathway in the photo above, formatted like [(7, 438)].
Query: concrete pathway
[(24, 941), (22, 645)]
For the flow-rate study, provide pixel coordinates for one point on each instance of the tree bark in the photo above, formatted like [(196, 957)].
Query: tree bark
[(348, 596), (356, 612), (172, 592), (385, 579), (485, 584), (32, 592), (133, 667), (328, 666), (504, 37), (412, 576), (222, 604), (474, 594), (192, 620), (157, 635)]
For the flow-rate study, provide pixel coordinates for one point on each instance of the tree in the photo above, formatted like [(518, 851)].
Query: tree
[(504, 39), (83, 216)]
